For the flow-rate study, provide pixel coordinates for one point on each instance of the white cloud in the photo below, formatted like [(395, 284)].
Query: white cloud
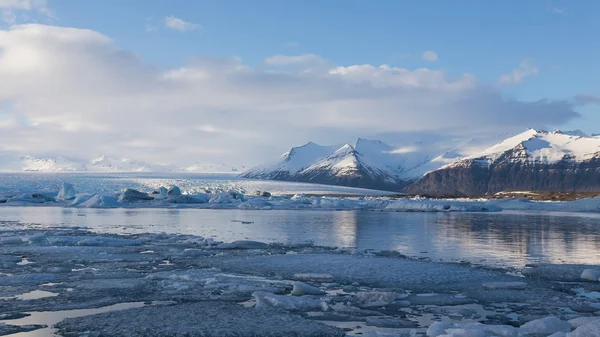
[(86, 96), (430, 56), (556, 10), (525, 69), (20, 4), (175, 23), (11, 7), (283, 60)]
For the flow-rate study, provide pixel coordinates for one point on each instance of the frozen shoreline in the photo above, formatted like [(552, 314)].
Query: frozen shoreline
[(245, 282), (173, 197)]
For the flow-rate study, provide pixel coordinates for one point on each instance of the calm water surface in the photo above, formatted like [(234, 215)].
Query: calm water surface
[(511, 239)]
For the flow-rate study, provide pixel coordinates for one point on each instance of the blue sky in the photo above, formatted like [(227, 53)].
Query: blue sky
[(550, 48), (483, 38)]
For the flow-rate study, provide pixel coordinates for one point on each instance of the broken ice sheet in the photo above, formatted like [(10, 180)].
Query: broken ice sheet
[(100, 273)]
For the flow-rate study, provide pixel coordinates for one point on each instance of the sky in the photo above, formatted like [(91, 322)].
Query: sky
[(240, 82)]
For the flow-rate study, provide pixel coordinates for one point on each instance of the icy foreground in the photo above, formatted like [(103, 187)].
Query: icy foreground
[(174, 197), (180, 285)]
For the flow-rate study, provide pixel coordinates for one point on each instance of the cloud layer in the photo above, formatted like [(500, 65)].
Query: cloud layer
[(73, 92), (181, 25)]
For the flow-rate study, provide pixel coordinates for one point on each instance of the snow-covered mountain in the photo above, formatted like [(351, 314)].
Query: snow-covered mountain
[(214, 168), (367, 163), (291, 162), (532, 160), (58, 164), (105, 163), (10, 163), (102, 164)]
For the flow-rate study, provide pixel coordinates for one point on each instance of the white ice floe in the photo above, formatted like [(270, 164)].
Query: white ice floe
[(443, 329), (301, 288), (90, 270), (376, 299), (440, 205), (131, 195), (580, 321), (547, 325), (67, 192), (100, 201), (586, 330), (173, 191), (591, 275), (291, 303)]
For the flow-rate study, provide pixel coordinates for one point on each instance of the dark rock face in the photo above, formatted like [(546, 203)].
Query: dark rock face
[(471, 178), (360, 177)]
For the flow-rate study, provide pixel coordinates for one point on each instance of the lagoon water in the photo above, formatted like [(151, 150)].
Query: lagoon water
[(504, 239)]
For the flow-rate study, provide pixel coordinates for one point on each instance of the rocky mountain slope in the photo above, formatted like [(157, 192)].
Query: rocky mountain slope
[(367, 164), (532, 160)]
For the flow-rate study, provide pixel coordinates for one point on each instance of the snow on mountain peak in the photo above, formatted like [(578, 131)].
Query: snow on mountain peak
[(58, 164), (347, 148), (106, 163), (542, 146)]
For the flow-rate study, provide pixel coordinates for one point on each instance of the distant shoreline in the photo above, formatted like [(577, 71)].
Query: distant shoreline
[(529, 195)]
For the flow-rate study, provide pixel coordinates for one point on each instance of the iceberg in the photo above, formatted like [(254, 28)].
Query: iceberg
[(67, 192)]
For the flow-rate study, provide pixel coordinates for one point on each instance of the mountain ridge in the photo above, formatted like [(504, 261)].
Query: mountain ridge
[(531, 160)]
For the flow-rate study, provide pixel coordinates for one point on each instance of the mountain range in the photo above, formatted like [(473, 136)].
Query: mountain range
[(103, 163), (532, 160)]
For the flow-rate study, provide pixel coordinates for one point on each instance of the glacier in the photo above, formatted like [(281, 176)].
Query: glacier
[(176, 197)]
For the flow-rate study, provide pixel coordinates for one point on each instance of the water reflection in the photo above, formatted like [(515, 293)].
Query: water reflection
[(507, 239)]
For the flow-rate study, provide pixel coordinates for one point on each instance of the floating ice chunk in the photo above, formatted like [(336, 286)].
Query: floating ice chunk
[(187, 199), (438, 329), (301, 288), (464, 332), (222, 198), (313, 276), (505, 285), (35, 198), (376, 299), (81, 198), (443, 329), (236, 195), (108, 242), (587, 330), (301, 199), (67, 192), (9, 329), (131, 195), (243, 244), (209, 318), (160, 193), (290, 303), (440, 205), (547, 325), (591, 274), (256, 203), (577, 322), (173, 190), (100, 201)]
